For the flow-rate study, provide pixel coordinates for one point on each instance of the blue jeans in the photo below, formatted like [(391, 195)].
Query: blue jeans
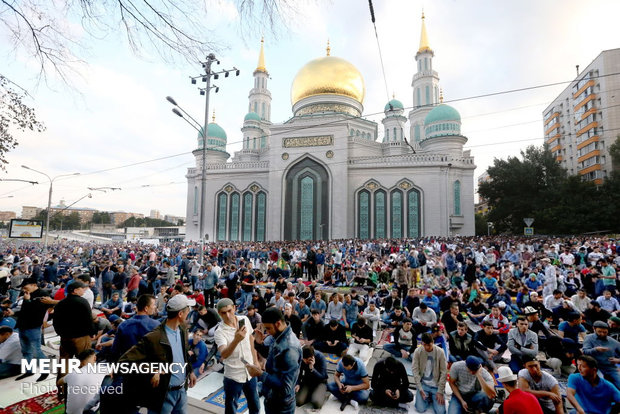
[(9, 370), (359, 396), (232, 390), (13, 294), (475, 401), (175, 403), (245, 300), (422, 405), (612, 375), (30, 340), (394, 349)]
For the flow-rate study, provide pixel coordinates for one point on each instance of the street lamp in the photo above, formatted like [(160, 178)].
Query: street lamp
[(102, 189), (489, 225), (177, 110), (49, 201)]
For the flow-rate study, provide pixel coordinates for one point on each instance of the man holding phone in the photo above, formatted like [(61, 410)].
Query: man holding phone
[(235, 343)]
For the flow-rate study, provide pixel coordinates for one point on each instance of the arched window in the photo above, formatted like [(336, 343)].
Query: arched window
[(396, 204), (416, 132), (457, 198), (233, 224), (380, 215), (306, 224), (425, 63), (413, 213), (387, 134), (261, 207), (428, 94), (222, 201), (419, 66), (417, 97), (395, 137), (247, 216), (256, 107), (363, 214), (195, 200), (263, 111)]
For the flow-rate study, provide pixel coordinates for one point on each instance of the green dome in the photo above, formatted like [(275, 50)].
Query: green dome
[(252, 116), (442, 113), (214, 131), (396, 104)]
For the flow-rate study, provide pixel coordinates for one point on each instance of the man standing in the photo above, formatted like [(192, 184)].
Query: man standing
[(209, 283), (236, 346), (518, 401), (605, 350), (282, 367), (521, 342), (30, 320), (73, 322), (351, 382), (312, 381), (164, 393), (588, 392), (541, 385), (551, 282), (429, 374), (390, 385), (472, 387)]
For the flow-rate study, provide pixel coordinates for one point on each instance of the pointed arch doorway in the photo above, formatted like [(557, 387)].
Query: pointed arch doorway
[(306, 207)]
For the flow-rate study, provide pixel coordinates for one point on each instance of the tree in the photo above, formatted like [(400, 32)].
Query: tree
[(101, 217), (172, 29), (614, 153), (520, 188), (144, 222), (481, 224), (15, 115)]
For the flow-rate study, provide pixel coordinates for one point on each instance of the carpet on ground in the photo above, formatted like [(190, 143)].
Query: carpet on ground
[(333, 358), (46, 404), (218, 399)]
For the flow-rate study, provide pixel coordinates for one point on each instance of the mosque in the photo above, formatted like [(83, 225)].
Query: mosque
[(325, 174)]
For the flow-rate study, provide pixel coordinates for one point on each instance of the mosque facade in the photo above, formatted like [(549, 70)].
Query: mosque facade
[(325, 173)]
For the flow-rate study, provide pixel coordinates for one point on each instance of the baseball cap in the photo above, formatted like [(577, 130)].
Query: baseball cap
[(180, 302), (530, 310), (501, 304), (28, 281), (222, 303), (615, 319), (505, 374), (473, 363)]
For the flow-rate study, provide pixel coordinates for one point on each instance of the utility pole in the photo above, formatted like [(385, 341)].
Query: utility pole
[(203, 129)]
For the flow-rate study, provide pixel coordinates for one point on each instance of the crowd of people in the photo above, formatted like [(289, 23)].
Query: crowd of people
[(459, 312)]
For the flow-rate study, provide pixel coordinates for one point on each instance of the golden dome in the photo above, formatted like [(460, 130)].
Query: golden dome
[(328, 75)]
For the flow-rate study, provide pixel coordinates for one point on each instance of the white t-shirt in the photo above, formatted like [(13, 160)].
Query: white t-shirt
[(81, 389), (234, 368)]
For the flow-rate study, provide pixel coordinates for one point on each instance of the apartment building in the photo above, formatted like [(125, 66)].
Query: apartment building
[(584, 120)]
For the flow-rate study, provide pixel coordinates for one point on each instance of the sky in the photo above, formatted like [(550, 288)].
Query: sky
[(115, 113)]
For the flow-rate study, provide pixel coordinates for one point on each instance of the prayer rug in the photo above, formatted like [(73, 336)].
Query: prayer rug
[(46, 404), (333, 358), (218, 399)]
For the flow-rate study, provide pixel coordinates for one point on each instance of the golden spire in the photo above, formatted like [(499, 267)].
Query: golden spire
[(424, 47), (329, 49), (213, 118), (440, 95), (261, 57), (393, 95)]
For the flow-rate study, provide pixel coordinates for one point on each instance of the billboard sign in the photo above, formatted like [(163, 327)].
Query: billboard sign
[(26, 229)]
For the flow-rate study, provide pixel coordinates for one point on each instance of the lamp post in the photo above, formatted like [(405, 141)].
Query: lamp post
[(202, 129), (49, 201), (489, 225)]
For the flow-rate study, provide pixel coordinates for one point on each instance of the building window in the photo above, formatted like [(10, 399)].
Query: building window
[(417, 97), (222, 201), (195, 200), (263, 109), (396, 204), (307, 208), (387, 134), (413, 213), (428, 94), (380, 215), (363, 215), (247, 217), (234, 217), (425, 63), (416, 132), (261, 204), (395, 137), (457, 198)]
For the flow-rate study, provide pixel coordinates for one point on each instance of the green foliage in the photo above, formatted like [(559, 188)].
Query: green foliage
[(101, 217), (481, 224), (536, 186), (145, 222), (60, 221), (614, 153)]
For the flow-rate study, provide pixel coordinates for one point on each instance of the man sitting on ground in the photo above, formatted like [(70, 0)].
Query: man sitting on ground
[(390, 385), (312, 380), (351, 384), (362, 337), (518, 401), (588, 392), (541, 385), (472, 387), (334, 339), (429, 374), (405, 341)]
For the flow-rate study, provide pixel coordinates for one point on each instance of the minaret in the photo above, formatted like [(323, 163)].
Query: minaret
[(260, 97), (425, 86), (394, 121)]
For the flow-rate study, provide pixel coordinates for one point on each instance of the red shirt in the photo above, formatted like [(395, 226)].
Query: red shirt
[(521, 402)]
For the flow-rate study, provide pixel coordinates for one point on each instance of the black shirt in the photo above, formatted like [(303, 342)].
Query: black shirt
[(362, 332), (32, 311), (73, 318)]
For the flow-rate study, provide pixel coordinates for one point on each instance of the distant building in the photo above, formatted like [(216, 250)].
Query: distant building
[(155, 214), (174, 219), (584, 120), (6, 216), (29, 212), (119, 217), (482, 207), (86, 214)]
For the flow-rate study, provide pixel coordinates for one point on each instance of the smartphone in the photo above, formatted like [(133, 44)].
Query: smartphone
[(244, 361), (241, 323)]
